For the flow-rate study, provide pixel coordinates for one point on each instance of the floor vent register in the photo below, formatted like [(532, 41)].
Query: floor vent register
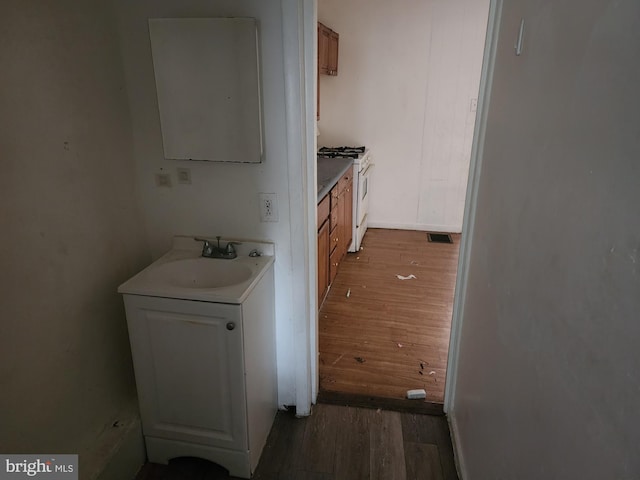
[(439, 237)]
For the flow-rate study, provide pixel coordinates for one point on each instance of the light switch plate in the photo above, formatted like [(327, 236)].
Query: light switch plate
[(184, 175), (163, 180)]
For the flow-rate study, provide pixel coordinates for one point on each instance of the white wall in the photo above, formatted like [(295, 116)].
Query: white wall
[(407, 72), (548, 384), (70, 230), (223, 198)]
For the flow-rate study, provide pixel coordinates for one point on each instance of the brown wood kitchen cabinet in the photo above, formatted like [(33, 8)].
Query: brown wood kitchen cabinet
[(328, 42), (337, 226), (335, 231), (324, 226)]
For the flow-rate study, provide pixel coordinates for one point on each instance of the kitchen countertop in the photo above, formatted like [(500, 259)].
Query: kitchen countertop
[(329, 172)]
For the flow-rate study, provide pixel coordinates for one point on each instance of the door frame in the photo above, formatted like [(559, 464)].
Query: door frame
[(300, 65), (299, 19), (468, 222)]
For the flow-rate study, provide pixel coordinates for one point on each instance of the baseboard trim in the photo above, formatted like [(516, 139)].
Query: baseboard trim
[(457, 451), (118, 452), (416, 226), (369, 401), (128, 458)]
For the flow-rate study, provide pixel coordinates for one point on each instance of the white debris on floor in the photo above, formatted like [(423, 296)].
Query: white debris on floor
[(408, 277)]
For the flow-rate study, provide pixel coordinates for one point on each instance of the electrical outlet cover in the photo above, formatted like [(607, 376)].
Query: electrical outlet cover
[(268, 207)]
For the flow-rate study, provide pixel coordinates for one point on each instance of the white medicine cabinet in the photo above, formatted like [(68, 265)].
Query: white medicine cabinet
[(208, 87)]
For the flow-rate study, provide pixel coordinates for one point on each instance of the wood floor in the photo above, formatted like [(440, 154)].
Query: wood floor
[(339, 443), (380, 335)]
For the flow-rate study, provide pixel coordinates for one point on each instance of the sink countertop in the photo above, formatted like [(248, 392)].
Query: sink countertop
[(329, 172), (184, 247)]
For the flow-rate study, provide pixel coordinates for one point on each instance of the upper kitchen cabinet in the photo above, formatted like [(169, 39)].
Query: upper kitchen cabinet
[(208, 87), (328, 41)]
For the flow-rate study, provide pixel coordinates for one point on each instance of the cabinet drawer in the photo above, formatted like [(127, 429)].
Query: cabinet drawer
[(323, 261), (334, 219), (334, 263), (345, 181), (323, 210), (335, 197), (334, 239)]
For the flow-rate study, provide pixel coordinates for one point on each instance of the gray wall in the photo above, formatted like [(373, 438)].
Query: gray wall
[(548, 384), (70, 227)]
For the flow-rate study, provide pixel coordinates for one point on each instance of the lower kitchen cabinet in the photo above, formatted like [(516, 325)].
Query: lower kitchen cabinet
[(335, 233), (328, 45), (334, 263), (323, 264)]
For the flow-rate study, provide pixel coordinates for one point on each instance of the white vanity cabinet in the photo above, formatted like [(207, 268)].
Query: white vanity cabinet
[(206, 376)]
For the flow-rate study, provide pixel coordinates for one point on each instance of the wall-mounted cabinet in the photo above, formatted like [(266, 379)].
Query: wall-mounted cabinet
[(328, 42), (208, 88)]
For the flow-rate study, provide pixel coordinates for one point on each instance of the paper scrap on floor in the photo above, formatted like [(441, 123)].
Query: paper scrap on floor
[(408, 277)]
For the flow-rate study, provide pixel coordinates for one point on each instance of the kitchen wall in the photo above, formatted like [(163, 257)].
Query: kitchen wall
[(548, 383), (408, 71), (223, 198), (71, 233)]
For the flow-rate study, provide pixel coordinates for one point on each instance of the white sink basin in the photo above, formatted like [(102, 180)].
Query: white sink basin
[(202, 273), (182, 273)]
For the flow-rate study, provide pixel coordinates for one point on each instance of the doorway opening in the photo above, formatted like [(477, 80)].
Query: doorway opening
[(385, 325)]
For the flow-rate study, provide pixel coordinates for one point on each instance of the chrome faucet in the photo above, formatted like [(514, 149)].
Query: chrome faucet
[(216, 251)]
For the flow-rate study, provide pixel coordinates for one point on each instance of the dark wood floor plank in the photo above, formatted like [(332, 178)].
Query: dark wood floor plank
[(151, 471), (261, 475), (283, 450), (303, 474), (445, 449), (338, 443), (422, 461), (419, 428), (387, 450), (318, 446), (353, 444)]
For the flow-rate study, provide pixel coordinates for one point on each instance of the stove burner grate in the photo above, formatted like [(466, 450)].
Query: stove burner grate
[(341, 152)]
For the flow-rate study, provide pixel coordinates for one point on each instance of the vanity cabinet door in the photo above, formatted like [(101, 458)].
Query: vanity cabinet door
[(189, 366)]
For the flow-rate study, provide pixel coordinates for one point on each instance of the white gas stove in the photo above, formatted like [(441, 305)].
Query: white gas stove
[(361, 172)]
